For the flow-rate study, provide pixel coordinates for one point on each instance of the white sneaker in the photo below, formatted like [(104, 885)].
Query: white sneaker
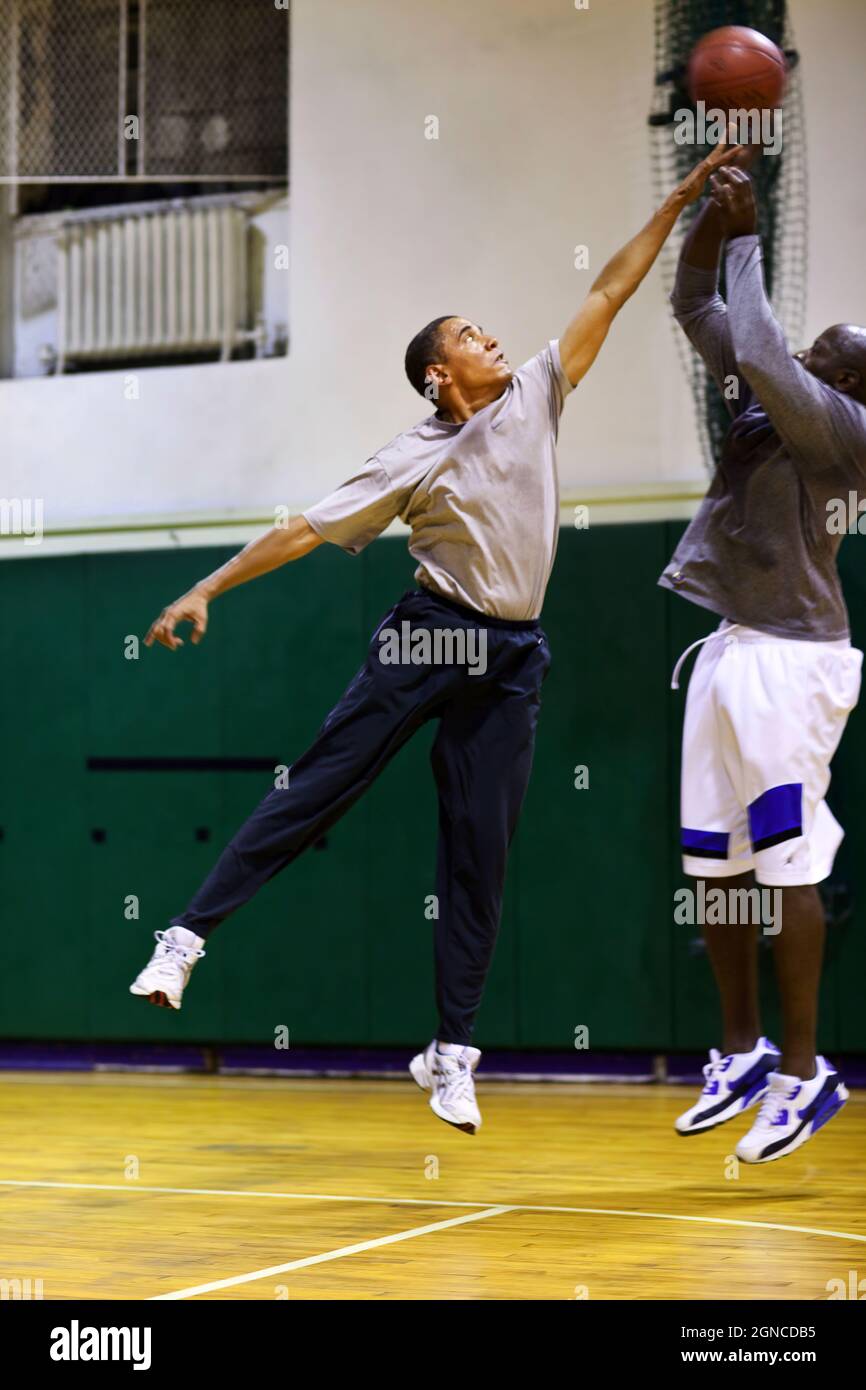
[(792, 1112), (733, 1083), (166, 974), (449, 1076)]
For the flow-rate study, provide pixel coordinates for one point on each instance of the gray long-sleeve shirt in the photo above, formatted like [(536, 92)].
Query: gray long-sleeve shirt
[(762, 548)]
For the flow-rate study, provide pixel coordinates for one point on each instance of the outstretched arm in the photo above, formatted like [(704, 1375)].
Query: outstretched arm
[(581, 342), (699, 308), (276, 547), (815, 421)]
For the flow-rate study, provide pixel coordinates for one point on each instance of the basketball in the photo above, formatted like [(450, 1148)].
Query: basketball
[(736, 68)]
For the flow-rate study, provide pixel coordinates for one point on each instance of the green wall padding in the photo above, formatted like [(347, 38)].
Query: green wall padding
[(337, 948)]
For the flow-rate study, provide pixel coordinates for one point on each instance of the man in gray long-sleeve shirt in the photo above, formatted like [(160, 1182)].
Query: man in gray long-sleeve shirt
[(774, 684)]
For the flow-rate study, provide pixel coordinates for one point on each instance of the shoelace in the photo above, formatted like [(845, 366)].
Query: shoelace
[(457, 1081), (175, 957), (714, 1068), (775, 1103)]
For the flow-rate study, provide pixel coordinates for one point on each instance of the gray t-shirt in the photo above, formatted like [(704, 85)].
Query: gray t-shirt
[(481, 498), (760, 550)]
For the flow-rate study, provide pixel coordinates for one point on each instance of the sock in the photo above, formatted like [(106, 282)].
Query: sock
[(184, 937)]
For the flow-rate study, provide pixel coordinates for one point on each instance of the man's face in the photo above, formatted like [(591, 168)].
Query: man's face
[(821, 358), (838, 357), (472, 358)]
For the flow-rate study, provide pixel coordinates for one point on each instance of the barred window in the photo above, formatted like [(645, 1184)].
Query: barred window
[(155, 89), (144, 154), (64, 89), (214, 85)]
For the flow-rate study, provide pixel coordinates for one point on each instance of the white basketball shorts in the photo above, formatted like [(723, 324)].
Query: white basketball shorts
[(764, 716)]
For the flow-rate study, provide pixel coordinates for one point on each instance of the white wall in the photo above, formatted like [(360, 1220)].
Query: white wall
[(543, 144), (831, 37)]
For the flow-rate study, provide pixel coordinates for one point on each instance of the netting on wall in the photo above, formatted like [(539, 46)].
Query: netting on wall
[(189, 89), (780, 181)]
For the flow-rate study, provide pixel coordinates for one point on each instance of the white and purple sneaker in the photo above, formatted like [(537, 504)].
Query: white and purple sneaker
[(732, 1084), (792, 1112)]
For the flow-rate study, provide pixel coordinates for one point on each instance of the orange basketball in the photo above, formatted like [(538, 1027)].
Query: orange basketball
[(736, 68)]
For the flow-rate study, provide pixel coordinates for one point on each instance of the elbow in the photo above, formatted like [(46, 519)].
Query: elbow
[(305, 539), (684, 315), (614, 296), (287, 541), (749, 363)]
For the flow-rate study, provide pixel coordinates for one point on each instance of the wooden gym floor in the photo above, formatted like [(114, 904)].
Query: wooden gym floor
[(139, 1187)]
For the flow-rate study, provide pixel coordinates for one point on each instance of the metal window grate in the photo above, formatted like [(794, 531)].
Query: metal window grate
[(207, 84), (215, 88), (62, 87)]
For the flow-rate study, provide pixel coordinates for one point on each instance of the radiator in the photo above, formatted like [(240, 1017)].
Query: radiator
[(153, 284)]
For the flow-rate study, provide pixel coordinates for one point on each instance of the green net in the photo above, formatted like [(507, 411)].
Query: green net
[(780, 180)]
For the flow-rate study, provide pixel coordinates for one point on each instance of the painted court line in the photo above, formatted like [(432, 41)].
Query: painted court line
[(328, 1255), (437, 1202)]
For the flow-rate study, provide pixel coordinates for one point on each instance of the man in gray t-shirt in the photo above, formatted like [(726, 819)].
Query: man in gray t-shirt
[(480, 496), (773, 686), (476, 483)]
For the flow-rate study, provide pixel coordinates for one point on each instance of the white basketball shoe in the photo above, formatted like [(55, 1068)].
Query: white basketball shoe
[(449, 1078), (732, 1084), (166, 975), (793, 1111)]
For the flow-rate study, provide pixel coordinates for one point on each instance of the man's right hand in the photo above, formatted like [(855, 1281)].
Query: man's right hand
[(692, 186), (733, 194), (191, 608)]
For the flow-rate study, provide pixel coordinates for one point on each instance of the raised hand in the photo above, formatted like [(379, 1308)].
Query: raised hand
[(692, 185), (732, 192)]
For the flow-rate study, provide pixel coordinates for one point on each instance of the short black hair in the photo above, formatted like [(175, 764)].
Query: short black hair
[(424, 348)]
